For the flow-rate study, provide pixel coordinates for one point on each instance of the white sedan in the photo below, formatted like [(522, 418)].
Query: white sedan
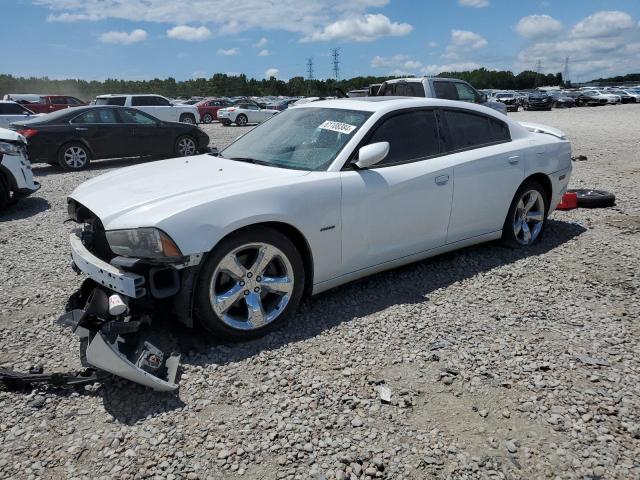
[(13, 112), (245, 113), (320, 195)]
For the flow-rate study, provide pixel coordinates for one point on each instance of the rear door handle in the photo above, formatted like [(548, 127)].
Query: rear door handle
[(81, 129), (514, 160), (442, 179)]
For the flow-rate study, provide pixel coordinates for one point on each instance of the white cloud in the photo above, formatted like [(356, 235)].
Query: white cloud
[(261, 43), (190, 34), (228, 52), (432, 44), (474, 3), (538, 26), (225, 16), (271, 72), (451, 67), (401, 62), (466, 39), (264, 53), (199, 74), (361, 29), (603, 24), (124, 38)]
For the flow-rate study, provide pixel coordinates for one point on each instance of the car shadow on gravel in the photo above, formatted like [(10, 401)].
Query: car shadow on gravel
[(404, 285), (25, 208), (130, 403)]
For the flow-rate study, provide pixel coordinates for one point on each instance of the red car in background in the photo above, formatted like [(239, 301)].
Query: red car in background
[(208, 108), (44, 103)]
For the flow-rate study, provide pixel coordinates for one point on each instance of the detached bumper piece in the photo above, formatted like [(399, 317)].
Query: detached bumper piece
[(115, 344)]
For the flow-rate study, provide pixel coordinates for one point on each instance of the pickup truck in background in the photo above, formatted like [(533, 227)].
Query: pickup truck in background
[(44, 103), (436, 87), (155, 105)]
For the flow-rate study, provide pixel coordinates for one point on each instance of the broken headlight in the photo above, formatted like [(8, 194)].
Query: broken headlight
[(9, 148), (142, 243)]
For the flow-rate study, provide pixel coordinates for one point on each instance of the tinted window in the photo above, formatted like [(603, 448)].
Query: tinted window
[(130, 115), (58, 100), (465, 92), (445, 90), (73, 101), (411, 136), (99, 115), (467, 130), (12, 109), (143, 101), (111, 101), (407, 89)]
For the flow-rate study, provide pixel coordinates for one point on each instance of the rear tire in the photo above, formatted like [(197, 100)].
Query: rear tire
[(188, 118), (527, 216), (207, 118), (74, 156), (250, 283), (5, 193), (241, 120)]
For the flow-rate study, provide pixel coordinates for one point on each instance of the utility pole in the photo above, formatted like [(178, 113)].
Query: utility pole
[(310, 68), (565, 73), (335, 54)]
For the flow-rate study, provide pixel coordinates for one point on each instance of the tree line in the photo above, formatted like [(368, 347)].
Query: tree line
[(221, 84)]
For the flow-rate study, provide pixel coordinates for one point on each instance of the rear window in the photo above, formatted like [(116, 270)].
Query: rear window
[(469, 130), (12, 109), (111, 101)]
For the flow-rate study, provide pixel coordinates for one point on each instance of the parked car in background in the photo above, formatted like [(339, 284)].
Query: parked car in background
[(635, 94), (444, 88), (156, 105), (538, 101), (208, 108), (561, 99), (12, 112), (281, 105), (16, 177), (302, 101), (72, 138), (509, 99), (611, 98), (45, 103), (244, 113), (624, 96), (590, 98)]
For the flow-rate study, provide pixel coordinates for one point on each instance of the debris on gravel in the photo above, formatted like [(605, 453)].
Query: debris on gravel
[(481, 363)]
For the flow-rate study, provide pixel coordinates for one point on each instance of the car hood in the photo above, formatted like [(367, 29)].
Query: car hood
[(145, 195)]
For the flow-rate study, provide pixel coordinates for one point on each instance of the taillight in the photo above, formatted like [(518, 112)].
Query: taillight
[(28, 132)]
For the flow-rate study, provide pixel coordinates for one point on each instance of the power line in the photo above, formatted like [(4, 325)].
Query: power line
[(335, 54), (310, 68)]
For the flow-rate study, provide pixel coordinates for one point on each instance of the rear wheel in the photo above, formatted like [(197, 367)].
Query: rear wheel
[(188, 118), (5, 193), (250, 283), (185, 146), (207, 118), (241, 120), (74, 156), (527, 216)]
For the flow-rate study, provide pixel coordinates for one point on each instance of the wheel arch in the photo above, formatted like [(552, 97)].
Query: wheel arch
[(545, 182)]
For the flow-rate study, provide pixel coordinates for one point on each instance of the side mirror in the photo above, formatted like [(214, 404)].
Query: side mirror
[(372, 154), (483, 97)]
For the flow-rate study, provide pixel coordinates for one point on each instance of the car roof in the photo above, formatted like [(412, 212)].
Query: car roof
[(128, 95), (374, 104)]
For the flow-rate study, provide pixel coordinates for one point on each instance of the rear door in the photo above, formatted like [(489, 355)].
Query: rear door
[(148, 137), (102, 130), (488, 169)]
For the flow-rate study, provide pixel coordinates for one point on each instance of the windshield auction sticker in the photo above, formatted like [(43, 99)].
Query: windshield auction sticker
[(337, 127)]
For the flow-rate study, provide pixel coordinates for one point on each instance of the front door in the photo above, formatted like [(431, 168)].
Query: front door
[(400, 206), (148, 138)]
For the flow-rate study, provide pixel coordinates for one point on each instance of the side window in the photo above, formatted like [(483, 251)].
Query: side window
[(58, 100), (4, 110), (411, 136), (12, 109), (465, 92), (253, 107), (73, 101), (469, 130), (99, 115), (143, 101), (161, 102), (445, 90), (129, 115)]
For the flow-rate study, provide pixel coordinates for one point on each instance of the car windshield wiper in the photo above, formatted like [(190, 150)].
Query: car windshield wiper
[(248, 160)]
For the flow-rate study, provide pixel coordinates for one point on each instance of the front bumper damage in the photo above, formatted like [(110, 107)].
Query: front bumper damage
[(112, 339)]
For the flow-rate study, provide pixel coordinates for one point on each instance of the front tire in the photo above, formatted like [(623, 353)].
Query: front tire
[(527, 217), (207, 118), (185, 146), (241, 120), (74, 156), (5, 194), (250, 283)]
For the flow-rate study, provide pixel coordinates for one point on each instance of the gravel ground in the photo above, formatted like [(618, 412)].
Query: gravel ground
[(483, 363)]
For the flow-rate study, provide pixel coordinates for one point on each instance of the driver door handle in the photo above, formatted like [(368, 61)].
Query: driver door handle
[(442, 179), (514, 160), (81, 129)]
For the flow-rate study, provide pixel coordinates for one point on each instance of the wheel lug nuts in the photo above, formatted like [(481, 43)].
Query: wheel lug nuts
[(249, 275), (246, 292), (256, 289), (258, 279), (242, 284)]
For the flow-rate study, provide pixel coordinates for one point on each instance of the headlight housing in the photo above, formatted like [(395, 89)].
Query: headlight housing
[(7, 148), (143, 243)]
